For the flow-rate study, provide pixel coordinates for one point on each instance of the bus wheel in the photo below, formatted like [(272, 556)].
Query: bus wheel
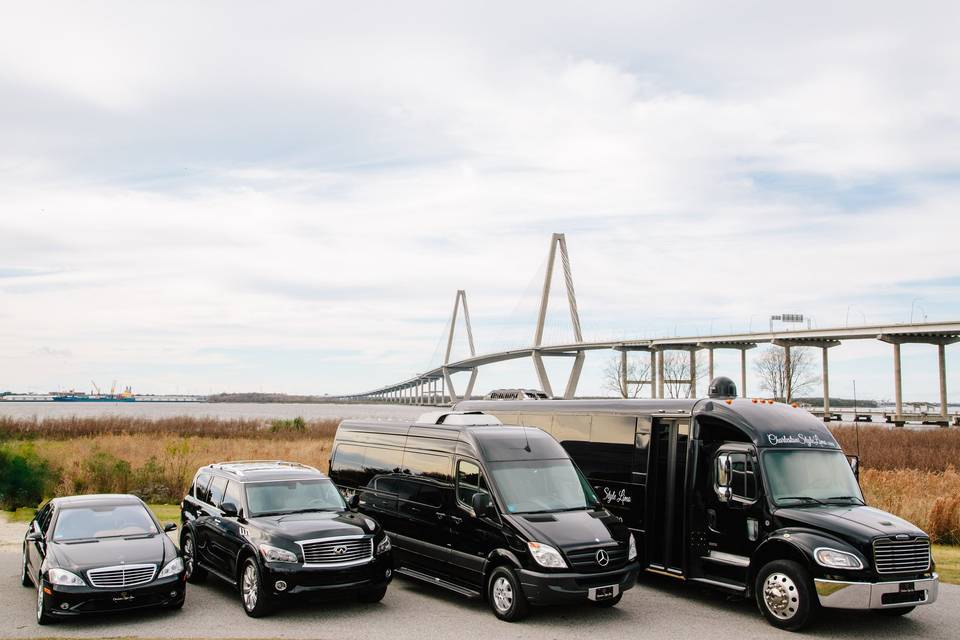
[(784, 595)]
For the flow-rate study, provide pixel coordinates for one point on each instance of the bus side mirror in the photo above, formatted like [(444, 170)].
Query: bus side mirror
[(724, 477), (482, 505), (854, 465)]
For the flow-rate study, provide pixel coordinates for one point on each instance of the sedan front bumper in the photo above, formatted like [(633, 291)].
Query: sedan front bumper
[(877, 595), (72, 601)]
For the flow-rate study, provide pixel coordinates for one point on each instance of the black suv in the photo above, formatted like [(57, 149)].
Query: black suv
[(274, 528)]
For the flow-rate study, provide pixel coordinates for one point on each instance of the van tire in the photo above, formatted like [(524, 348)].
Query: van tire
[(785, 595), (505, 595)]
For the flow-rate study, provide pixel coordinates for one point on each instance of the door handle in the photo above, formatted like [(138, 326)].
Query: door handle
[(440, 516), (217, 520), (455, 519)]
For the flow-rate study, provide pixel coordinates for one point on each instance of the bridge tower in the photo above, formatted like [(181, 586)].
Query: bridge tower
[(461, 301)]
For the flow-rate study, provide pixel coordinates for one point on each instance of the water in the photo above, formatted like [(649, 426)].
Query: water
[(221, 410)]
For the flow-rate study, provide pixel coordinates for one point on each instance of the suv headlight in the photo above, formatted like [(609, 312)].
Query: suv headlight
[(632, 549), (172, 568), (274, 554), (546, 556), (64, 578), (836, 559), (384, 545)]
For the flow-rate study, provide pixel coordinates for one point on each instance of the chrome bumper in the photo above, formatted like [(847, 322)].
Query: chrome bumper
[(869, 595)]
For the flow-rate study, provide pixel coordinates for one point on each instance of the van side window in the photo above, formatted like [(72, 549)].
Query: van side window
[(217, 487), (347, 461), (422, 491), (201, 487), (427, 464), (735, 469), (378, 461), (470, 481)]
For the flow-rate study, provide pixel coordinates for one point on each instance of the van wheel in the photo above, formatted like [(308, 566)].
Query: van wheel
[(609, 602), (784, 595), (195, 573), (254, 597), (506, 596), (898, 611)]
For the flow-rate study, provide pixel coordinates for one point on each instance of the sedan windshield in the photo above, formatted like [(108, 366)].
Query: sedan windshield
[(86, 523), (293, 496), (810, 477), (531, 486)]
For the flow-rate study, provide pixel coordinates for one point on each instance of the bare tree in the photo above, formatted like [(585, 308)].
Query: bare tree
[(676, 373), (771, 367), (612, 380)]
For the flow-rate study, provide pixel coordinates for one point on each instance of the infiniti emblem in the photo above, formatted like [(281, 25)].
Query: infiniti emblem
[(602, 558), (340, 550)]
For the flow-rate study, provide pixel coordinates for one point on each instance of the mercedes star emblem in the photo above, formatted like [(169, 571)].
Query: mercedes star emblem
[(603, 559)]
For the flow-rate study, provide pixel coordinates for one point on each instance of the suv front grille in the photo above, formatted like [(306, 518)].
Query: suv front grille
[(585, 560), (120, 577), (901, 556), (335, 552)]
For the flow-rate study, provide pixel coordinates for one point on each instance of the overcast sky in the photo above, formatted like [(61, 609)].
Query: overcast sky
[(286, 196)]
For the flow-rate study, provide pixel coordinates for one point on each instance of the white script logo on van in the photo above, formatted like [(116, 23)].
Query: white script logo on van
[(800, 438), (614, 495)]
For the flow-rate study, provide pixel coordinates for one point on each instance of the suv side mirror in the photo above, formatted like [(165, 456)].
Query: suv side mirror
[(353, 502), (482, 505), (169, 526), (229, 510)]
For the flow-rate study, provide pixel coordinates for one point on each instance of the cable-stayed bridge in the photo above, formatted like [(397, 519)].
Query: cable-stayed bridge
[(435, 387)]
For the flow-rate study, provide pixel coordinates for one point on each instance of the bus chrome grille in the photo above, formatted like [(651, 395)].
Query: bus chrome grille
[(335, 552), (121, 577), (901, 556)]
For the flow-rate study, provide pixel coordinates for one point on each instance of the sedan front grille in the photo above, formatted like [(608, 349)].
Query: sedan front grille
[(901, 556), (120, 577), (337, 552)]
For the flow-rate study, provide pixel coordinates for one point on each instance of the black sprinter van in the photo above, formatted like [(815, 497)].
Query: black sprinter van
[(487, 511), (749, 496)]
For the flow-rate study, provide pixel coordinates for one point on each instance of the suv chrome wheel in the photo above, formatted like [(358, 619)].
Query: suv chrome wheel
[(188, 555), (780, 596), (502, 594), (250, 587)]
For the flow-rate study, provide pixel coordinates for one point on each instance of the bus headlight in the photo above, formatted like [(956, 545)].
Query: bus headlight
[(632, 549), (836, 559), (546, 556)]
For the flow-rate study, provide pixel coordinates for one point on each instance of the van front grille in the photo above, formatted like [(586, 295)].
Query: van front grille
[(337, 551), (585, 560), (901, 556), (120, 577)]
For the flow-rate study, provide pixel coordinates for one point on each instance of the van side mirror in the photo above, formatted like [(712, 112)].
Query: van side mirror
[(482, 505), (353, 502), (229, 510), (854, 465), (169, 526)]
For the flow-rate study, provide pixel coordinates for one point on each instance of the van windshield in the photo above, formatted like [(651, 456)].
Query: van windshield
[(810, 477), (538, 486)]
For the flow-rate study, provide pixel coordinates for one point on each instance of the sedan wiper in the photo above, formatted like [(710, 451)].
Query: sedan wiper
[(855, 498), (804, 498)]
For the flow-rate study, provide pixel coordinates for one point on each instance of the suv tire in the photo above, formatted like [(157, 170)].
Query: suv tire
[(255, 599), (505, 595), (195, 573)]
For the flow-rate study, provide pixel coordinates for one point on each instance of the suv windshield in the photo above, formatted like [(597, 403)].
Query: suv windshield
[(293, 496), (86, 523), (531, 486), (810, 477)]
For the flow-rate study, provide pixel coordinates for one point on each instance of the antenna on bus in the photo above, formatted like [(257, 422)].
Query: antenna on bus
[(856, 422)]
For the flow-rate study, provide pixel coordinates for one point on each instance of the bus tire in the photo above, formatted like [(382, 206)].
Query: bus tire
[(785, 594)]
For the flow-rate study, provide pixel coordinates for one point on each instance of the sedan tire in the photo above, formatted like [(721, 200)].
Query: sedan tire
[(24, 572), (43, 618)]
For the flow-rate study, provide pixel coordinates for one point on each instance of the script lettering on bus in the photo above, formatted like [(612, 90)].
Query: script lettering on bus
[(616, 495), (801, 439)]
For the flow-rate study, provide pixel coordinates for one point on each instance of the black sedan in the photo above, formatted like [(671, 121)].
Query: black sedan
[(100, 553)]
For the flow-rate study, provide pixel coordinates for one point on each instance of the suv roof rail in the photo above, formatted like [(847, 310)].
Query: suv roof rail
[(233, 465)]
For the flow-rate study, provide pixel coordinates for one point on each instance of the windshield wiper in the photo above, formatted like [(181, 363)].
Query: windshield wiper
[(804, 498), (290, 512), (855, 498)]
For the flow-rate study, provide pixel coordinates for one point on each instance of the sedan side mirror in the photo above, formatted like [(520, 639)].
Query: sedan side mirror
[(169, 526), (229, 510), (482, 505), (353, 502)]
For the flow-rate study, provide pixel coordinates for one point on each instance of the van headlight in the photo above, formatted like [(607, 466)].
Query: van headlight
[(632, 549), (172, 568), (836, 559), (384, 545), (275, 554), (546, 556), (64, 578)]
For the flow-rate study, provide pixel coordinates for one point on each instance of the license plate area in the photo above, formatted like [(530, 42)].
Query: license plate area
[(598, 594)]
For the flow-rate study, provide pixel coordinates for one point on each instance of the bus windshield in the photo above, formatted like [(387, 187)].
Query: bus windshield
[(538, 486), (810, 476)]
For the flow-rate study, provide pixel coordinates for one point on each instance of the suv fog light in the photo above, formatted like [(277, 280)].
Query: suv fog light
[(173, 594), (64, 606), (280, 585)]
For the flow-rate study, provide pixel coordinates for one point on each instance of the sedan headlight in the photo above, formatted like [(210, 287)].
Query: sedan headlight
[(632, 549), (384, 545), (172, 568), (64, 578), (273, 554), (837, 559), (546, 556)]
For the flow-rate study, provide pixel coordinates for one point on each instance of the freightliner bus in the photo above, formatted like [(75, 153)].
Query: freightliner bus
[(749, 496)]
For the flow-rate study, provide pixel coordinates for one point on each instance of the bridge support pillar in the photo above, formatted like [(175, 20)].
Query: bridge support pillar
[(942, 365), (571, 391), (787, 375), (693, 373), (473, 380), (660, 368), (542, 374), (897, 379), (709, 365), (743, 372)]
